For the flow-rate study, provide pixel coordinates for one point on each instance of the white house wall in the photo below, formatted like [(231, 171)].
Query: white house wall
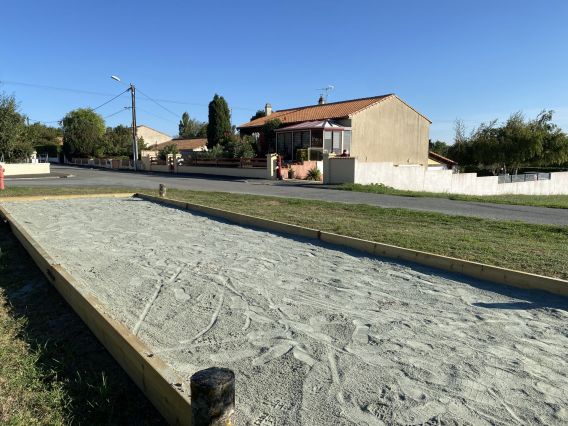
[(417, 178)]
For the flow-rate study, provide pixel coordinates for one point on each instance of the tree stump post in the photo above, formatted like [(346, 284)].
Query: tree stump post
[(162, 190), (213, 397)]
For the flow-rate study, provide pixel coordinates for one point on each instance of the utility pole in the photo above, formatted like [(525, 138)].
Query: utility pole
[(134, 138)]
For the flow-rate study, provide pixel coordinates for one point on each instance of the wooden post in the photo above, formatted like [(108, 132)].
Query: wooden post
[(213, 397), (162, 190)]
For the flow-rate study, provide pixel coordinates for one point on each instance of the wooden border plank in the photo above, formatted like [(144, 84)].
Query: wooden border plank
[(468, 268), (65, 197), (148, 371)]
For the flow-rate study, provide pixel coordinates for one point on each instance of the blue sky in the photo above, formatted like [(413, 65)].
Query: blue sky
[(473, 60)]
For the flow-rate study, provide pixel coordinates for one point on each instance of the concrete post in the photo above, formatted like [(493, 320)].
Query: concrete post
[(162, 190), (270, 161), (326, 167), (213, 397)]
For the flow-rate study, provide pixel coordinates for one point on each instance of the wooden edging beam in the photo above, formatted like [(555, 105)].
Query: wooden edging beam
[(476, 270), (24, 198), (148, 371)]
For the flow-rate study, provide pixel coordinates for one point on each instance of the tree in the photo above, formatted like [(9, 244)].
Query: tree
[(83, 131), (41, 135), (168, 149), (258, 114), (269, 133), (190, 127), (439, 147), (15, 143), (241, 147), (219, 126), (117, 142), (516, 143)]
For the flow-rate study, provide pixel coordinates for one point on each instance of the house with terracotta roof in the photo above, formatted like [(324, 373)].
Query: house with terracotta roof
[(184, 146), (375, 129), (439, 162)]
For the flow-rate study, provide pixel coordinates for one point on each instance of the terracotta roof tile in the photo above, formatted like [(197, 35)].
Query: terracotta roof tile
[(318, 112)]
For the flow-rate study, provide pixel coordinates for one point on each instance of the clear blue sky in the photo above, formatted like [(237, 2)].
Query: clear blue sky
[(474, 60)]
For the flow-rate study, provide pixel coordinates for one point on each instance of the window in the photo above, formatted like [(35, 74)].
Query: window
[(336, 143), (327, 141), (347, 140), (317, 141)]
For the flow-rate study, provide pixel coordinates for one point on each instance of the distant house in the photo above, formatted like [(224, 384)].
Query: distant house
[(152, 137), (439, 162), (185, 146), (376, 129)]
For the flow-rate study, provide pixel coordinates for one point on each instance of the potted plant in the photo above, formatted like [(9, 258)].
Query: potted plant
[(290, 173)]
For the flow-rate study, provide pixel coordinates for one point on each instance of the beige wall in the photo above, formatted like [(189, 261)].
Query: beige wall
[(151, 136), (390, 131), (19, 169)]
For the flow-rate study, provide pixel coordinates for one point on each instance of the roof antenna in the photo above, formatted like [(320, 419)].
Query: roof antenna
[(324, 92)]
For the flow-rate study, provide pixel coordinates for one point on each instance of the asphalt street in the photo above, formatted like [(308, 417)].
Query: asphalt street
[(310, 191)]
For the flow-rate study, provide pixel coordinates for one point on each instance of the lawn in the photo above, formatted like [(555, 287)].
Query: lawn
[(553, 201), (53, 371), (539, 249)]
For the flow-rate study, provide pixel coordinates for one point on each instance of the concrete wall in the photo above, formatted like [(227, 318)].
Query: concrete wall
[(20, 169), (222, 171), (390, 131), (338, 170), (417, 178)]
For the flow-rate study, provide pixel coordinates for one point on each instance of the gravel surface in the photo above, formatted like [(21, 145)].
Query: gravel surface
[(315, 334)]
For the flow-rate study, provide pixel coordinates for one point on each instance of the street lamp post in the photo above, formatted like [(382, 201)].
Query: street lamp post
[(132, 89)]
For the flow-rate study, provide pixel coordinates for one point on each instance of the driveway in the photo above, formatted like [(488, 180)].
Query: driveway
[(310, 191)]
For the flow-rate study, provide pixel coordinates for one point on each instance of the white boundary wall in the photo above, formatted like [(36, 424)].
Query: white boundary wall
[(418, 178), (20, 169)]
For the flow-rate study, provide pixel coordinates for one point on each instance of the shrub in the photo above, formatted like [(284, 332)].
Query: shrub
[(313, 174), (168, 149), (301, 154)]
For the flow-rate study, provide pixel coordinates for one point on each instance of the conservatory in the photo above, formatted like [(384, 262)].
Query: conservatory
[(310, 139)]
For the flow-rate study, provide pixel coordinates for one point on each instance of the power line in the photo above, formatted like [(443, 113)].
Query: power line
[(159, 104), (117, 112), (109, 101), (62, 89)]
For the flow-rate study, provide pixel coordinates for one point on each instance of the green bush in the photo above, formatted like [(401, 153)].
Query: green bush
[(51, 150), (168, 149), (313, 174), (302, 154)]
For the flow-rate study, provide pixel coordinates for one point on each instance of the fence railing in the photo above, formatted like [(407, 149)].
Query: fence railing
[(524, 177), (243, 163)]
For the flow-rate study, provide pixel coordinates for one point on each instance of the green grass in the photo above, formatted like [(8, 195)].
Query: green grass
[(553, 201), (52, 369), (540, 249)]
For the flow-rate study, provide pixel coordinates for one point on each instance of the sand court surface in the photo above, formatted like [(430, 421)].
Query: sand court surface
[(316, 334)]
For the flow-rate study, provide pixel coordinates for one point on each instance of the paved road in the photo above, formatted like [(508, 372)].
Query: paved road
[(97, 177)]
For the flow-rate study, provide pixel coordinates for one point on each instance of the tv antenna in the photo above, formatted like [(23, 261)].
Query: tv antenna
[(324, 91)]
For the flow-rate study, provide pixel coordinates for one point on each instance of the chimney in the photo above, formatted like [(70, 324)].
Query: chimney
[(321, 100), (268, 109)]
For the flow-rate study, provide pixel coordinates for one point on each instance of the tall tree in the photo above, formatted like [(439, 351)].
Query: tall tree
[(190, 127), (83, 131), (439, 147), (219, 126), (14, 137), (259, 113)]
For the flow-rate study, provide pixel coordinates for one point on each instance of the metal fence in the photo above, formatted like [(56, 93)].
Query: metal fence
[(524, 177)]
